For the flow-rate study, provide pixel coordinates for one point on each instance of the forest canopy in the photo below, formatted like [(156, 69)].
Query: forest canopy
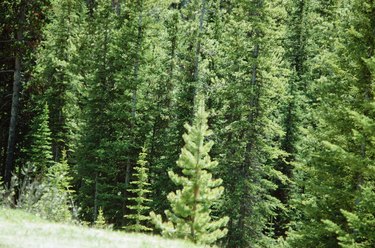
[(244, 123)]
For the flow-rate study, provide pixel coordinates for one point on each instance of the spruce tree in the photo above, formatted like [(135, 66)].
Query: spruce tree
[(126, 89), (33, 178), (359, 229), (158, 103), (190, 49), (190, 216), (139, 218), (40, 152), (59, 175)]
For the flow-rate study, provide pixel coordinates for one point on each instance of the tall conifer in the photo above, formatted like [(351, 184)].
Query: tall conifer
[(249, 93), (57, 73), (96, 156)]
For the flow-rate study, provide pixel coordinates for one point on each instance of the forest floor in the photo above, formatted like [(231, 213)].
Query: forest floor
[(19, 229)]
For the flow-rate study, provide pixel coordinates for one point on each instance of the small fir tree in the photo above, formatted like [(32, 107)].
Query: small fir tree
[(100, 221), (140, 190), (30, 180), (190, 217), (40, 152), (55, 202), (58, 175)]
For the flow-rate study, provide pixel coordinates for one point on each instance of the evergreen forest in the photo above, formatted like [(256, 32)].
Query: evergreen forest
[(233, 123)]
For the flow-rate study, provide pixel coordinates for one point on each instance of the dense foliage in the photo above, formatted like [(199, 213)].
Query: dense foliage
[(289, 94), (189, 217)]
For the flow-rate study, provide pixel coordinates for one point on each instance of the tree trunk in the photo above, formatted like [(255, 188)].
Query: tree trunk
[(95, 198), (134, 90), (198, 48), (247, 201), (15, 101), (116, 5), (137, 61)]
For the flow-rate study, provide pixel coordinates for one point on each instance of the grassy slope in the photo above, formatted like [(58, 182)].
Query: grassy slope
[(20, 229)]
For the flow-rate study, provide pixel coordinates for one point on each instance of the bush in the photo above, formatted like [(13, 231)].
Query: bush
[(49, 196)]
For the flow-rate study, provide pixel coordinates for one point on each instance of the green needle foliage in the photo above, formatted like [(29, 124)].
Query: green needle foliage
[(100, 220), (290, 84), (57, 74), (40, 151), (55, 201), (190, 217), (58, 175), (338, 180), (140, 190)]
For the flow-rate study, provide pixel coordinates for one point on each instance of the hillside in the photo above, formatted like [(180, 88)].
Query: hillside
[(20, 229)]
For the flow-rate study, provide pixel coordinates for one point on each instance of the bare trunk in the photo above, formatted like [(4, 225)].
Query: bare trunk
[(135, 86), (127, 175), (137, 61), (198, 50), (95, 198), (13, 121), (15, 103), (247, 201), (116, 5)]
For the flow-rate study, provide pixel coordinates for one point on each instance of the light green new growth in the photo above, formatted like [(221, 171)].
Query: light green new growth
[(190, 217), (140, 190), (55, 203), (58, 175), (100, 220)]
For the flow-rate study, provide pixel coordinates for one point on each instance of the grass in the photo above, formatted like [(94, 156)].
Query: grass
[(19, 229)]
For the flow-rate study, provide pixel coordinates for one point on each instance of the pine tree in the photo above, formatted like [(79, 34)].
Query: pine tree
[(140, 201), (190, 216)]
